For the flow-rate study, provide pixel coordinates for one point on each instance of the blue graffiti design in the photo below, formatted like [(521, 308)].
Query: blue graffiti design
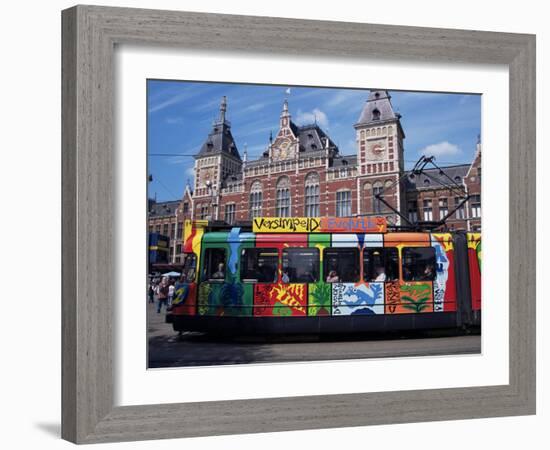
[(231, 295), (181, 293), (235, 239), (363, 298), (363, 311), (360, 239), (440, 258)]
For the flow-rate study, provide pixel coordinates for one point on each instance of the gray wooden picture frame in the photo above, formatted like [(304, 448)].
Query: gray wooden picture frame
[(89, 35)]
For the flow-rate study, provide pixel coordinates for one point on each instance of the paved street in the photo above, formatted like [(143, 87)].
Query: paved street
[(167, 349)]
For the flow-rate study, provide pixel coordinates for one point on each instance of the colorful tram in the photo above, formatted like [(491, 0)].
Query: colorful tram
[(325, 275)]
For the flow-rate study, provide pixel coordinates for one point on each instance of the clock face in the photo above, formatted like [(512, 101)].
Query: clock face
[(208, 175), (377, 150), (283, 151)]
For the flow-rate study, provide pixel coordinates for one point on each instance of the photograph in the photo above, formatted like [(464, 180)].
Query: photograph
[(261, 224), (294, 223)]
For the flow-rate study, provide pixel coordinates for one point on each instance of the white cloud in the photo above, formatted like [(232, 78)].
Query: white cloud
[(340, 97), (259, 130), (349, 147), (254, 107), (175, 99), (307, 117), (444, 148), (175, 120)]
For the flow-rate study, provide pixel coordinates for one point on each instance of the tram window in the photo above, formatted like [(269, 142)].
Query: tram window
[(418, 263), (300, 265), (341, 265), (189, 267), (380, 264), (259, 265), (214, 265)]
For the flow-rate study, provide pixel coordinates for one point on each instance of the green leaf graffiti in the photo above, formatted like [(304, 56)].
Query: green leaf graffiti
[(280, 309), (202, 303), (416, 297), (319, 299)]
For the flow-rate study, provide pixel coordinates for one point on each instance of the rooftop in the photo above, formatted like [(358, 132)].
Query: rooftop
[(162, 209), (435, 179)]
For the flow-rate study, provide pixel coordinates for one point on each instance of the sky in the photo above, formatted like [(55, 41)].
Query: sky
[(180, 116)]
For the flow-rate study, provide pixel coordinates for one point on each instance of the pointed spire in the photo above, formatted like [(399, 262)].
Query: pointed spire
[(270, 137), (285, 113), (223, 109), (377, 108), (220, 139), (245, 153)]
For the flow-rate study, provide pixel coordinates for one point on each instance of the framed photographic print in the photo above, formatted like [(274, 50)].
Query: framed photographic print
[(281, 222)]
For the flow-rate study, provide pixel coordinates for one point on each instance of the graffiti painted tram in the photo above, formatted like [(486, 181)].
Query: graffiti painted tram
[(325, 275)]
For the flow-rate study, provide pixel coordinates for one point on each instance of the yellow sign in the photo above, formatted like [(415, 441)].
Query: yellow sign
[(319, 225), (286, 224)]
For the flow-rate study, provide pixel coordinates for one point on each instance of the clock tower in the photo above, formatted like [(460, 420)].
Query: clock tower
[(379, 138), (217, 160), (285, 145)]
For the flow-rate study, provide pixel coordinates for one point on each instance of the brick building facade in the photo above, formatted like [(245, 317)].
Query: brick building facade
[(302, 173), (167, 218)]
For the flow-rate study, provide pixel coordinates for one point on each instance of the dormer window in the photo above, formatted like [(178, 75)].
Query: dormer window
[(310, 136), (375, 114), (426, 182), (313, 146), (377, 95)]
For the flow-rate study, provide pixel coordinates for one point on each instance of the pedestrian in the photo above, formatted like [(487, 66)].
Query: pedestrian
[(162, 295), (171, 289), (151, 292)]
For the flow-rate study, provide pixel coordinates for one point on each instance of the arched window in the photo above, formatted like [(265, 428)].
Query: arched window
[(377, 204), (255, 203), (343, 203), (282, 207), (312, 195)]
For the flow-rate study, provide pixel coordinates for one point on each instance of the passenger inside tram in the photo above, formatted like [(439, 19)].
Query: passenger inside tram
[(380, 273), (428, 273), (220, 273), (285, 278), (333, 277)]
